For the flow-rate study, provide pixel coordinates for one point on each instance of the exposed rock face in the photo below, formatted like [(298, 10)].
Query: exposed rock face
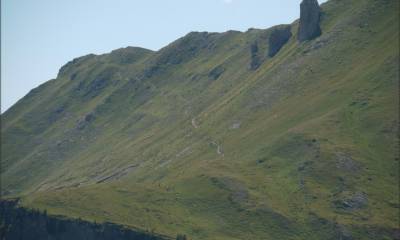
[(310, 13), (215, 73), (278, 38), (255, 58)]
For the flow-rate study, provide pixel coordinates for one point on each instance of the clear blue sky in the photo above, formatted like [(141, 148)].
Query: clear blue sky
[(39, 36)]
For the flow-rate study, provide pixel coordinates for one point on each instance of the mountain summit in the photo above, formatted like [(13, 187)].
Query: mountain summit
[(289, 132)]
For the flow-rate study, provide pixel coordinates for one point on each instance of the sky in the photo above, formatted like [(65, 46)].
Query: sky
[(40, 36)]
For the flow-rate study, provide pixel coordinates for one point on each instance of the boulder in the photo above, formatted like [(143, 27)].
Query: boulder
[(310, 14)]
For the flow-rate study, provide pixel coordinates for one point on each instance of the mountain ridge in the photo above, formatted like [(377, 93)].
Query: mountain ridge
[(210, 135)]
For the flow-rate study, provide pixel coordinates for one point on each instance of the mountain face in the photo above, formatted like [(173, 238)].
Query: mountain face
[(237, 135)]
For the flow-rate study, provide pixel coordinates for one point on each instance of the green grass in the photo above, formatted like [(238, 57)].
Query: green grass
[(281, 171)]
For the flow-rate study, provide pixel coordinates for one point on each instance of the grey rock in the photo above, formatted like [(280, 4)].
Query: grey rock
[(100, 82), (85, 120), (278, 38), (345, 162), (255, 58), (238, 190), (356, 201), (235, 125), (343, 233), (310, 14), (215, 73)]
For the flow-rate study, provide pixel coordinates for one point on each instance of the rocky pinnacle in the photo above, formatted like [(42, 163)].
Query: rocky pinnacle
[(309, 20)]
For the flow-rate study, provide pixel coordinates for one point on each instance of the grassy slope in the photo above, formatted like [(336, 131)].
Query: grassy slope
[(318, 127)]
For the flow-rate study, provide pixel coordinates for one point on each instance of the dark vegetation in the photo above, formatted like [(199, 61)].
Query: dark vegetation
[(181, 237), (17, 223)]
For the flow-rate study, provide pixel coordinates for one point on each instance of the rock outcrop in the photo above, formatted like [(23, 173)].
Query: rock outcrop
[(310, 13), (216, 72), (278, 38), (255, 58)]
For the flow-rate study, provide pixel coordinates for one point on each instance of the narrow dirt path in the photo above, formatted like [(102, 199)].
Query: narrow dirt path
[(194, 124), (219, 148)]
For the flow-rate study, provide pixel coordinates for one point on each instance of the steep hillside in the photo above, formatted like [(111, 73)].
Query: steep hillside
[(235, 135)]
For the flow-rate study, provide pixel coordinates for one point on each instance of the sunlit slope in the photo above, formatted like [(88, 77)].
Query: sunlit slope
[(193, 139)]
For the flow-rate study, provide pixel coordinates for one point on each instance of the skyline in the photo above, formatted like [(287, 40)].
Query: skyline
[(41, 36)]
